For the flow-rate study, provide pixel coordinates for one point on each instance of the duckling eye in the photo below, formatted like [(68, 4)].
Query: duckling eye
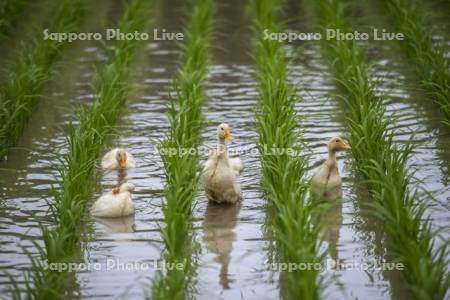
[(337, 141), (221, 128)]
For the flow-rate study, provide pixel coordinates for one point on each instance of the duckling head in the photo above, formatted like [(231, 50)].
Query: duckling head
[(121, 157), (116, 190), (337, 144), (224, 133), (127, 187)]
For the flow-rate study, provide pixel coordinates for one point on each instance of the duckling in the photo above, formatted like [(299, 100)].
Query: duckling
[(117, 203), (326, 183), (220, 172), (118, 158)]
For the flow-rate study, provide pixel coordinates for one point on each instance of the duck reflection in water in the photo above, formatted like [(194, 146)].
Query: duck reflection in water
[(118, 225), (218, 225), (328, 215), (121, 176)]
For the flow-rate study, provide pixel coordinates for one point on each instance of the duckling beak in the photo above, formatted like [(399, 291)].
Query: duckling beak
[(228, 136), (347, 147), (122, 163)]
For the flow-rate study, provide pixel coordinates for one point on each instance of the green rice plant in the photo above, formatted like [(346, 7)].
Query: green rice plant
[(32, 70), (384, 165), (182, 170), (283, 178), (10, 10), (85, 141), (430, 61)]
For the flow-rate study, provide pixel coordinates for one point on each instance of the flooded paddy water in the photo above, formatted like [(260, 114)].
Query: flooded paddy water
[(235, 249)]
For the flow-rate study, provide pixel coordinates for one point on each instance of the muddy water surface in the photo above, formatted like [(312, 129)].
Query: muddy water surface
[(234, 247)]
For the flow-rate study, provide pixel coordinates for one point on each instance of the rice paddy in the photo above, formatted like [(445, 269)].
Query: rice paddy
[(284, 175), (429, 60), (384, 166), (181, 169), (381, 229), (32, 69), (67, 210), (9, 12)]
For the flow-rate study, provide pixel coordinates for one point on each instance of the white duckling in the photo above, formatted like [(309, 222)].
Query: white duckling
[(117, 203), (326, 183), (118, 158), (220, 172)]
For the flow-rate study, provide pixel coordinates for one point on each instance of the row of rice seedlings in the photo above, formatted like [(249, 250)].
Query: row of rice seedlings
[(283, 178), (31, 71), (10, 10), (430, 61), (182, 170), (61, 239), (384, 165)]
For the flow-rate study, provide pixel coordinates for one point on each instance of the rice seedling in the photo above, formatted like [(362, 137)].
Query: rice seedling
[(182, 170), (10, 10), (61, 239), (32, 70), (430, 61), (384, 166), (284, 173)]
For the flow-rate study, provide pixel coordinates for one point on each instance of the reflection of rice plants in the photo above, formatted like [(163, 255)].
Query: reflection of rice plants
[(283, 175), (32, 69), (85, 142), (181, 170), (384, 165), (10, 10), (430, 62)]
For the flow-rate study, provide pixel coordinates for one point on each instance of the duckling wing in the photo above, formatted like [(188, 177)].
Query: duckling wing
[(110, 206), (109, 160), (319, 180), (127, 204), (102, 206), (237, 165), (211, 163)]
